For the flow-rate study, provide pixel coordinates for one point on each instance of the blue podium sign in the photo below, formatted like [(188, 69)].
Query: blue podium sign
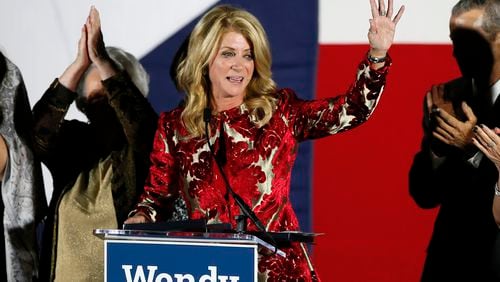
[(179, 260)]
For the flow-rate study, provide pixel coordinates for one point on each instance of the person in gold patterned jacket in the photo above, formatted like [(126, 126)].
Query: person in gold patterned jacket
[(98, 167)]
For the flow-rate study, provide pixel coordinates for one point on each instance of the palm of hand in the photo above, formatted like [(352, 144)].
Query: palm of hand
[(383, 35)]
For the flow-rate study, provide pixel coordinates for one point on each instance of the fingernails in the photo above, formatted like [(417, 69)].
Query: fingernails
[(475, 129)]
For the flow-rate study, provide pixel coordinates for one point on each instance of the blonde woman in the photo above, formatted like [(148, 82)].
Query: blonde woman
[(236, 124)]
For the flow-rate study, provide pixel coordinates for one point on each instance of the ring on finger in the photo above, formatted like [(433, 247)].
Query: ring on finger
[(491, 144), (383, 13)]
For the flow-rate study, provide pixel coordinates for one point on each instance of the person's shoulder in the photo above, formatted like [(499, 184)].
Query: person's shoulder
[(285, 92), (459, 81), (284, 95), (10, 65), (171, 115), (171, 118), (12, 73)]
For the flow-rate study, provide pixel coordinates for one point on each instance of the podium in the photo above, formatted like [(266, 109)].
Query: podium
[(152, 256)]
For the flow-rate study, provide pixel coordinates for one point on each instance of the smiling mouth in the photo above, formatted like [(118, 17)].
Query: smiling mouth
[(237, 79)]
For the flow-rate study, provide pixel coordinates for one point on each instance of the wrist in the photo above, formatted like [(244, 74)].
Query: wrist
[(144, 216), (71, 76), (377, 62), (377, 53), (105, 67), (77, 68)]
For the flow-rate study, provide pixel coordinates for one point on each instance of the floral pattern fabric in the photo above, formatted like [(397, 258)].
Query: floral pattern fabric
[(258, 163)]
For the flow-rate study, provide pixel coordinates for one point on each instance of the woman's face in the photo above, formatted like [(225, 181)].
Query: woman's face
[(232, 68)]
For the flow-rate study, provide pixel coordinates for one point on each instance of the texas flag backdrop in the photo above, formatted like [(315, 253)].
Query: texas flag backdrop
[(353, 186)]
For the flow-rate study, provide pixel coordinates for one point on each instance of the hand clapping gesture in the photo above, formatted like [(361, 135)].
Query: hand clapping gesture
[(449, 128), (91, 50), (95, 45), (488, 141)]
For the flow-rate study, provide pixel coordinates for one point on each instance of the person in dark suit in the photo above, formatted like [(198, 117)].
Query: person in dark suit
[(449, 171)]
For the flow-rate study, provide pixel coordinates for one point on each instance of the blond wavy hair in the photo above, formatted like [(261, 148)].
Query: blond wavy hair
[(192, 71)]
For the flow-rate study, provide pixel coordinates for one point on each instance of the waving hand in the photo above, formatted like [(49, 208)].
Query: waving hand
[(382, 27)]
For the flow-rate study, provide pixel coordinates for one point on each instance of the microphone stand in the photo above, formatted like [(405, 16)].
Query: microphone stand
[(244, 208)]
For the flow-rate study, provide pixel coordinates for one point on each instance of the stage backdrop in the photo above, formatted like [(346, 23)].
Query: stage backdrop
[(353, 186)]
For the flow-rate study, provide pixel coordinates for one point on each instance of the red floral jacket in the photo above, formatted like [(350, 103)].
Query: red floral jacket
[(259, 162)]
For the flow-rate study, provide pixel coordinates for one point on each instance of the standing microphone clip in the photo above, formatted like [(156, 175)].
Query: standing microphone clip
[(241, 223)]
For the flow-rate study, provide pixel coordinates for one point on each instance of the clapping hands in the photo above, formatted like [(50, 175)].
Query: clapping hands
[(449, 129), (91, 50), (488, 141)]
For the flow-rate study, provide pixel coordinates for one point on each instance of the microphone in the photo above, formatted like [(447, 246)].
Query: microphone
[(244, 208), (206, 117)]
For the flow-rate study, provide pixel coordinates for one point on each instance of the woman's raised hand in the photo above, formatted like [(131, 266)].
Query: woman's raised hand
[(382, 27)]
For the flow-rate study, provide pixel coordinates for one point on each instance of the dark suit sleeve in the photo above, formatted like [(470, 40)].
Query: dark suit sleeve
[(425, 181)]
